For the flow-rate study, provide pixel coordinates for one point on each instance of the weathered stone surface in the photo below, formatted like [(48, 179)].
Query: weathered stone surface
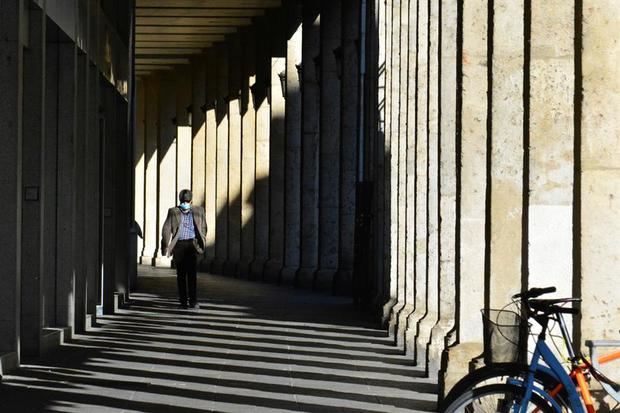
[(248, 154), (221, 111), (309, 246), (550, 219), (292, 169), (472, 192), (600, 176), (507, 156), (199, 128), (211, 209), (151, 154), (329, 143)]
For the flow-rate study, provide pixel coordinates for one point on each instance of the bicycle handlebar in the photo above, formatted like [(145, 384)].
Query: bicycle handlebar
[(534, 292)]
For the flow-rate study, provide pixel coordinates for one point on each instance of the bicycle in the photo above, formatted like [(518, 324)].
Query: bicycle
[(547, 389)]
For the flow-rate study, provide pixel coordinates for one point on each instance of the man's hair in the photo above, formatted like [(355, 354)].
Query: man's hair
[(185, 195)]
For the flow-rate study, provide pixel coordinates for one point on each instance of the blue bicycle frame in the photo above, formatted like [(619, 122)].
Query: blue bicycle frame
[(555, 367)]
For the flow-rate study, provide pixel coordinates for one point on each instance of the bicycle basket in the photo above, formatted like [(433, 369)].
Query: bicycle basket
[(505, 337)]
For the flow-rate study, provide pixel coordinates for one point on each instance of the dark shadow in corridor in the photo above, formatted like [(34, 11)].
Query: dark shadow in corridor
[(251, 347)]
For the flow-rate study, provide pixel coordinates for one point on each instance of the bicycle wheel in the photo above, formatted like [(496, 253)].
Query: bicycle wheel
[(496, 398), (497, 374)]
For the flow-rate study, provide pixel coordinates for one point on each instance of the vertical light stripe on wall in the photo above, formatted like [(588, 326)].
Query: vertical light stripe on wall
[(507, 152)]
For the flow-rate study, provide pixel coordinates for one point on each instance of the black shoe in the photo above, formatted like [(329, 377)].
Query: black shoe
[(183, 306), (194, 306)]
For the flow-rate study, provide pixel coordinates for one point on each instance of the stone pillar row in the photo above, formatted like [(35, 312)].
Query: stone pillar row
[(65, 157), (270, 150), (495, 174)]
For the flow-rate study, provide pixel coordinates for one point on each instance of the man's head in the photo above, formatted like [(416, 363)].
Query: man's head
[(185, 196)]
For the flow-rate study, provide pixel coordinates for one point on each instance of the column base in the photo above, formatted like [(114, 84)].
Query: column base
[(54, 337), (343, 282), (460, 359), (8, 363), (162, 262), (217, 266), (243, 269), (146, 260), (257, 269), (273, 268), (231, 268), (324, 279), (205, 264), (288, 275), (306, 277), (401, 325)]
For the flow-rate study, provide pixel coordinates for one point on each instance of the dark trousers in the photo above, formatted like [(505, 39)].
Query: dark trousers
[(185, 257)]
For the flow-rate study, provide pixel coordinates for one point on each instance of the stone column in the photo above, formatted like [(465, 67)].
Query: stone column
[(391, 132), (122, 206), (67, 90), (446, 294), (150, 229), (248, 154), (551, 142), (93, 189), (329, 146), (263, 119), (600, 173), (472, 192), (139, 156), (432, 281), (110, 234), (166, 151), (348, 156), (506, 185), (199, 129), (79, 197), (276, 156), (183, 88), (221, 225), (33, 185), (310, 162), (49, 185), (234, 156), (292, 170), (11, 79), (421, 183), (379, 158), (401, 310), (211, 158)]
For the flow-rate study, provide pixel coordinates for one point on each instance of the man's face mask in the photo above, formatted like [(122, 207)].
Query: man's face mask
[(184, 206)]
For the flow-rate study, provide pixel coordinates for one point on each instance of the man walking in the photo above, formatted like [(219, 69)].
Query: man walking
[(184, 236)]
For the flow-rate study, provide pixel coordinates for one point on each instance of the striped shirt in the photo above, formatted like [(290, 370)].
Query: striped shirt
[(187, 226)]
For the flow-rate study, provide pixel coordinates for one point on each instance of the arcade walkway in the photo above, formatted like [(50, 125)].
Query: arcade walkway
[(252, 347)]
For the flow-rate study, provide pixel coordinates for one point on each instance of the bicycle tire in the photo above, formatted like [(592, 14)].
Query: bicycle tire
[(479, 377), (495, 398)]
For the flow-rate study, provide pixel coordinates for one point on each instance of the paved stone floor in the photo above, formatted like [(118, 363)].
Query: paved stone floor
[(252, 347)]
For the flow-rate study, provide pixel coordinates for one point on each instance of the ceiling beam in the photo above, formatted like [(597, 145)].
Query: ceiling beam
[(193, 21), (163, 37), (152, 67), (185, 29), (167, 51), (162, 60), (209, 4), (194, 12), (173, 45)]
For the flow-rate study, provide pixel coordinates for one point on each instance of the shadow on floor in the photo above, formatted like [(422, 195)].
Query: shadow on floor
[(251, 347)]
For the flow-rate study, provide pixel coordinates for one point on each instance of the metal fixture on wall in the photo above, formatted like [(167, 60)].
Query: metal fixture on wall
[(282, 76)]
